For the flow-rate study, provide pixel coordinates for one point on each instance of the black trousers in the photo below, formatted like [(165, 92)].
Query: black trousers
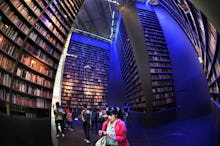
[(86, 128), (57, 122)]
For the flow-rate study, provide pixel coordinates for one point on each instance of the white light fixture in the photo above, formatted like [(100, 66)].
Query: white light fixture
[(113, 1), (152, 2)]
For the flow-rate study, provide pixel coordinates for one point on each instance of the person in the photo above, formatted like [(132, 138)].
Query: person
[(86, 119), (114, 129), (94, 118), (126, 111), (69, 118), (59, 114), (121, 114), (102, 116)]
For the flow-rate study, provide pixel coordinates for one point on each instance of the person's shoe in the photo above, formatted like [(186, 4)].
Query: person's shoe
[(58, 135), (62, 135), (87, 141)]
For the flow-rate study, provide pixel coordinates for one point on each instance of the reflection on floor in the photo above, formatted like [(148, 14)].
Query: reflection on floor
[(194, 132)]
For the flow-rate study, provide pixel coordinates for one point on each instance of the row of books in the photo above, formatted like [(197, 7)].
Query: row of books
[(161, 82), (160, 70), (33, 7), (8, 47), (32, 77), (11, 15), (31, 89), (161, 76), (4, 94), (47, 36), (36, 65), (55, 21), (67, 12), (6, 63), (156, 89), (40, 54), (59, 16), (24, 11), (163, 95), (51, 27), (155, 52), (163, 101), (160, 64), (11, 33), (97, 60), (5, 79), (161, 58), (134, 94), (30, 102), (84, 76)]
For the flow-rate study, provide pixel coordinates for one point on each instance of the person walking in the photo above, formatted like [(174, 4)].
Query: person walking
[(59, 114), (86, 119)]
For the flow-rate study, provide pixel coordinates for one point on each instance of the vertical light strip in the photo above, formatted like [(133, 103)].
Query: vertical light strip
[(112, 27), (57, 89)]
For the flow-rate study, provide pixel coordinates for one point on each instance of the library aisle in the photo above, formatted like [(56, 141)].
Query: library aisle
[(194, 132)]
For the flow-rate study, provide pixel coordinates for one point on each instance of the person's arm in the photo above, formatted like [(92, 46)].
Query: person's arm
[(120, 131)]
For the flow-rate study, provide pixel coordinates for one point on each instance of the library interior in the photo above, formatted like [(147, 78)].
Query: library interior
[(153, 64)]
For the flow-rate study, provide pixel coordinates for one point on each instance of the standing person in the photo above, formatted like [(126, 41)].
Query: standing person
[(69, 119), (103, 116), (94, 118), (85, 117), (127, 118), (114, 129), (59, 114)]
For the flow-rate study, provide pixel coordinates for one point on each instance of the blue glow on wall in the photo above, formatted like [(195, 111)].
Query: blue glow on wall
[(191, 88), (115, 80), (94, 42)]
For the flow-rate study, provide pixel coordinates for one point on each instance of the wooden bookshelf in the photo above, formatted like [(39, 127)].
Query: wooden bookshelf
[(32, 37)]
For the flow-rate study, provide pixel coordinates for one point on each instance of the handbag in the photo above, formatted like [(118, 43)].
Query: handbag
[(101, 141)]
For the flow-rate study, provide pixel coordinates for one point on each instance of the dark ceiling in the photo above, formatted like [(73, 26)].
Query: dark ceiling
[(96, 17)]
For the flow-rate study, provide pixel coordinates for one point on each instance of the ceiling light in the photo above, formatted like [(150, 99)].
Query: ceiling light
[(113, 1)]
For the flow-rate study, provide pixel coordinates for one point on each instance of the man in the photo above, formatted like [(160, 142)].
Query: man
[(85, 117)]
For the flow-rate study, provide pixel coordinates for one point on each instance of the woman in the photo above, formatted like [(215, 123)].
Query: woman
[(114, 129)]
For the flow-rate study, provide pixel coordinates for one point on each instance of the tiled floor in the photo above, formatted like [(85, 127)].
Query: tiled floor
[(194, 132)]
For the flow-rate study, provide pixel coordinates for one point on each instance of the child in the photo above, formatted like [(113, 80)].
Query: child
[(69, 119)]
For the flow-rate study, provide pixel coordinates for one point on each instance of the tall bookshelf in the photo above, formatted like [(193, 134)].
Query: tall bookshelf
[(145, 63), (132, 86), (203, 36), (160, 65), (32, 37), (85, 79)]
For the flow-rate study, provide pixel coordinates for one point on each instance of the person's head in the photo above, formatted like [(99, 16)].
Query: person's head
[(84, 106), (57, 104), (112, 114)]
